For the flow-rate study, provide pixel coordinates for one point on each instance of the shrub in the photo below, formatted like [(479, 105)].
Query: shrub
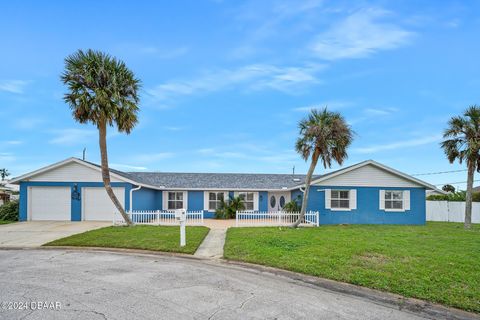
[(9, 211), (228, 209), (457, 196), (292, 206)]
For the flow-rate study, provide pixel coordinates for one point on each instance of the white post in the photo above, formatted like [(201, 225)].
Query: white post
[(317, 217), (113, 217), (236, 219), (183, 241)]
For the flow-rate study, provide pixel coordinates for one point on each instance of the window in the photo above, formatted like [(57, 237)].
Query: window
[(393, 200), (247, 198), (175, 200), (282, 202), (214, 200), (273, 202), (340, 199)]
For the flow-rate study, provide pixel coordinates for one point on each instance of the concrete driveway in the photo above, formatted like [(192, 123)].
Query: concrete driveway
[(106, 285), (36, 233)]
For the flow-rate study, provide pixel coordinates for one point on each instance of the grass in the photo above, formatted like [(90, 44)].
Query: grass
[(157, 238), (439, 262), (6, 221)]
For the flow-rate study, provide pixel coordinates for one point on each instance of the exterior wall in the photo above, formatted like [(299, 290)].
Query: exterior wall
[(76, 207), (71, 172), (195, 200), (369, 176), (146, 199), (368, 211), (297, 195)]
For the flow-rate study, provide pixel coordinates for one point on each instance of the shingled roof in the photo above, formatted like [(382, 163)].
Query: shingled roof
[(171, 180)]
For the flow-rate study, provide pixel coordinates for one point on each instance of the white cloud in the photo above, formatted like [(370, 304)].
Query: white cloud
[(398, 145), (72, 136), (7, 157), (120, 166), (360, 35), (254, 77), (27, 123), (13, 86), (14, 142), (380, 112)]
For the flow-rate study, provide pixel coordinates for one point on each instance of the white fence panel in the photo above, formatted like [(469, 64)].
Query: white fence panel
[(159, 217), (451, 211), (280, 218)]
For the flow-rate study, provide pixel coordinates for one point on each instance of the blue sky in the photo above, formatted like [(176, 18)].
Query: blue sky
[(224, 83)]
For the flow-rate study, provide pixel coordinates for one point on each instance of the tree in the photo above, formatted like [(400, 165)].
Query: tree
[(462, 143), (104, 92), (324, 135), (448, 188), (291, 206), (4, 173)]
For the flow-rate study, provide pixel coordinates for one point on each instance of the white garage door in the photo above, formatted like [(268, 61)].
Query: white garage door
[(96, 204), (49, 203)]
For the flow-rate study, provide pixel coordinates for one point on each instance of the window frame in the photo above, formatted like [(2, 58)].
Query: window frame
[(217, 201), (183, 200), (391, 200), (348, 199), (245, 200)]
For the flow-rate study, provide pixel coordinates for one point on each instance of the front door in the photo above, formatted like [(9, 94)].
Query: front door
[(277, 200)]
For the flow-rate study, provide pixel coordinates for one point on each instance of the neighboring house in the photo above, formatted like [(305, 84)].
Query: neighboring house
[(367, 192), (8, 191)]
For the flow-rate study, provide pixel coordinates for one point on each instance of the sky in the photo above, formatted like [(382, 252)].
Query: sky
[(225, 83)]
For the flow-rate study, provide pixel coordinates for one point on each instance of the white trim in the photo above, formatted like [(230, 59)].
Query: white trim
[(131, 196), (381, 197), (405, 201), (376, 164), (255, 197), (165, 199), (206, 198), (349, 200), (353, 199), (328, 197)]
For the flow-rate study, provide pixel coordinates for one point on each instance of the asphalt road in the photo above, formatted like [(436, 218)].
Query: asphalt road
[(103, 285)]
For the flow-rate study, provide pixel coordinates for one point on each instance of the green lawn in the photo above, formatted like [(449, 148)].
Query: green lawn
[(158, 238), (439, 262), (6, 221)]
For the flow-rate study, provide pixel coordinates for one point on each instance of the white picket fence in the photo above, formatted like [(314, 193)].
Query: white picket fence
[(451, 211), (159, 217), (280, 218)]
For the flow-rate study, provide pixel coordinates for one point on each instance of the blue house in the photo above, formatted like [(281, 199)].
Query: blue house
[(364, 193)]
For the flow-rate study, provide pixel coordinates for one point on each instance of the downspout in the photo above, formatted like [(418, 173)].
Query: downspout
[(131, 196)]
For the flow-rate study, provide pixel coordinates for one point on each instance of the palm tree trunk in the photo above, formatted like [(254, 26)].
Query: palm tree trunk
[(308, 180), (468, 198), (102, 132)]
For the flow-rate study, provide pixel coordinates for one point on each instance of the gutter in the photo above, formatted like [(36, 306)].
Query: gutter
[(131, 196)]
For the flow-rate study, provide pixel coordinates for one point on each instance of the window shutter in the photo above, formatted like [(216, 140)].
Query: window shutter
[(353, 199), (255, 201), (382, 200), (406, 200), (206, 199), (164, 200), (328, 196)]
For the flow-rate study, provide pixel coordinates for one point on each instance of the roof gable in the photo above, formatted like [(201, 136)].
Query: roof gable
[(371, 174)]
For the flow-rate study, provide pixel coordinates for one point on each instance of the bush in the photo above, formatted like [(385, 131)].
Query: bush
[(228, 209), (9, 211), (457, 196)]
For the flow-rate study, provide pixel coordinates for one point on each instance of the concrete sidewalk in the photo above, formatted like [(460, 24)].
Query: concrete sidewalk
[(212, 245)]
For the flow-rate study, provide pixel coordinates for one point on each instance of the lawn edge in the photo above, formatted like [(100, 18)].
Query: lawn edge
[(413, 305)]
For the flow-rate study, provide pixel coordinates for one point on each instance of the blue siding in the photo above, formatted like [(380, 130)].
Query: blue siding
[(368, 211), (76, 206), (195, 200), (146, 199), (263, 201)]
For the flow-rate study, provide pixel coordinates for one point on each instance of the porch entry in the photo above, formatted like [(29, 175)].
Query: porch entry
[(277, 200)]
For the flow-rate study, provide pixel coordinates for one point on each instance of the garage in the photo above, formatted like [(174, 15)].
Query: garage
[(97, 205), (49, 203)]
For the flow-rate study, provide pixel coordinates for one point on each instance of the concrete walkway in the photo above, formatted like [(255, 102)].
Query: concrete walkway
[(212, 245), (36, 233)]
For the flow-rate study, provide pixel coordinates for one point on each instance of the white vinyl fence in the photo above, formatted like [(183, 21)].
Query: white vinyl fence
[(159, 217), (451, 211), (280, 218)]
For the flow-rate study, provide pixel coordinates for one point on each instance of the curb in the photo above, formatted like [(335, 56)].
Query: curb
[(411, 305)]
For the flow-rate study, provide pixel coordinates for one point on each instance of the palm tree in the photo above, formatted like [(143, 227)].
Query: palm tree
[(462, 143), (104, 92), (324, 135), (4, 173)]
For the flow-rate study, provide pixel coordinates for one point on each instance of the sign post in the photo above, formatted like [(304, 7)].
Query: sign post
[(181, 216)]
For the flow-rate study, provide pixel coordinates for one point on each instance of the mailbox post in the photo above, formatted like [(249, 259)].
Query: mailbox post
[(181, 216)]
